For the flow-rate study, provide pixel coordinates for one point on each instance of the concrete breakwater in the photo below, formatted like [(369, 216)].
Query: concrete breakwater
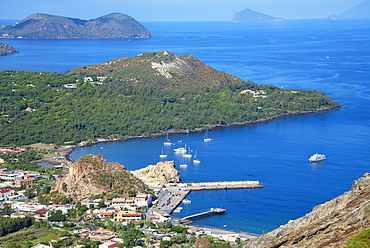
[(172, 194), (215, 185)]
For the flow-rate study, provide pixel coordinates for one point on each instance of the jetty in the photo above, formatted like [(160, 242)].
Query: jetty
[(205, 213), (172, 194)]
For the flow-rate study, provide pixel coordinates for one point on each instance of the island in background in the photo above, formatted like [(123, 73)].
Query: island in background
[(46, 26), (248, 15)]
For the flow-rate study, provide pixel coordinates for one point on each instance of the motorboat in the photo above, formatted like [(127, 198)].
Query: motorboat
[(317, 157)]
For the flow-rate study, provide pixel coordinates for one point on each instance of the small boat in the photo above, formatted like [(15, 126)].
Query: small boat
[(177, 210), (180, 149), (196, 160), (186, 201), (167, 142), (206, 138), (317, 157), (187, 154), (163, 155), (218, 210)]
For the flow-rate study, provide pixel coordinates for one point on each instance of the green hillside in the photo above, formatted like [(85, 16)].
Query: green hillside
[(143, 95)]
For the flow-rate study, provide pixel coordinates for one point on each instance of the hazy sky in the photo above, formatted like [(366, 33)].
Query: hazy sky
[(174, 10)]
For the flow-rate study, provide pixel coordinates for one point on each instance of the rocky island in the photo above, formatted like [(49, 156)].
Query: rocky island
[(46, 26), (248, 15), (6, 49)]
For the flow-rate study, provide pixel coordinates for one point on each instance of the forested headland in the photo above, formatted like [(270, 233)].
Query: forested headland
[(144, 95)]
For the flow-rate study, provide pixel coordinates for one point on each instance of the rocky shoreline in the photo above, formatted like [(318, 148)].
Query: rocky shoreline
[(65, 152)]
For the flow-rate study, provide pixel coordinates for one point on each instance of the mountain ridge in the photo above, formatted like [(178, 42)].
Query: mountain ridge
[(47, 26)]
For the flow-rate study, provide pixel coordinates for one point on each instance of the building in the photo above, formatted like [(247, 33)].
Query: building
[(143, 200), (4, 194), (127, 216), (25, 183)]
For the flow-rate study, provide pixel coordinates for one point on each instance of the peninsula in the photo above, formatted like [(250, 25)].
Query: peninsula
[(46, 26), (148, 94)]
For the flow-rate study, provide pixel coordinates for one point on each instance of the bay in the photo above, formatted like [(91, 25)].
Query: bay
[(330, 56)]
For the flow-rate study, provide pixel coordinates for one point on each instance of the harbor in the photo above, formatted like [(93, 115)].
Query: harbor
[(172, 195)]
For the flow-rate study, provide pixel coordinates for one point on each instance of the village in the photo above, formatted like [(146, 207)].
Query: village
[(84, 219)]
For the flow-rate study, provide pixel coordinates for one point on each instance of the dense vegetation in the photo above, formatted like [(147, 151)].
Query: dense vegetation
[(362, 239), (10, 225), (138, 100), (45, 26)]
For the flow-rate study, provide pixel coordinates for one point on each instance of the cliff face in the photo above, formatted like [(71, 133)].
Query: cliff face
[(91, 175), (328, 225), (45, 26), (159, 174)]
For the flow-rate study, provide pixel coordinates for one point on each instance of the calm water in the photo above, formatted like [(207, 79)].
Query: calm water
[(330, 56)]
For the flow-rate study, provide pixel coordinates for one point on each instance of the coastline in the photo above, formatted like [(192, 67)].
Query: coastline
[(215, 231), (66, 152)]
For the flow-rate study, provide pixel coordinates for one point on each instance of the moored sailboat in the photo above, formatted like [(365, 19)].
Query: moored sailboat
[(206, 138), (167, 142), (196, 160), (163, 155)]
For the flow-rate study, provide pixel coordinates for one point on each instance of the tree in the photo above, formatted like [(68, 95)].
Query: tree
[(101, 204), (7, 210), (57, 216), (131, 193)]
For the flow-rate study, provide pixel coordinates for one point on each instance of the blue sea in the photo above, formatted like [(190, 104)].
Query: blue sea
[(330, 56)]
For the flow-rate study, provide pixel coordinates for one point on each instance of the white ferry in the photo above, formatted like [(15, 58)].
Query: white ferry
[(317, 157)]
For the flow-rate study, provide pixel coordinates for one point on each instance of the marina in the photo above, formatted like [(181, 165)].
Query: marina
[(172, 195)]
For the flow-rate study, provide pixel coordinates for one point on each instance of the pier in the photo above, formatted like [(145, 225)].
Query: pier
[(202, 214), (171, 195)]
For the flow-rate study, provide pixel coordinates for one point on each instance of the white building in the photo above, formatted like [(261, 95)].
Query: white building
[(143, 200)]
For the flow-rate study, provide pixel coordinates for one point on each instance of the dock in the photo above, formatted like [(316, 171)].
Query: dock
[(173, 194), (223, 185), (205, 213)]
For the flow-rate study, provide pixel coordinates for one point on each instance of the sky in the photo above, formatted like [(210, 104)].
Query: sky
[(175, 10)]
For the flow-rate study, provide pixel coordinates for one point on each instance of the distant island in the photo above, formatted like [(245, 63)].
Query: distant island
[(248, 15), (148, 94), (46, 26), (361, 10), (6, 49)]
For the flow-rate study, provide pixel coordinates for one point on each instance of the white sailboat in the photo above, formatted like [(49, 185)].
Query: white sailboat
[(182, 163), (187, 154), (167, 142), (196, 160), (163, 155), (206, 138)]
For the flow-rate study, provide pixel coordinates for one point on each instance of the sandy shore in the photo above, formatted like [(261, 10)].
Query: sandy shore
[(245, 236)]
